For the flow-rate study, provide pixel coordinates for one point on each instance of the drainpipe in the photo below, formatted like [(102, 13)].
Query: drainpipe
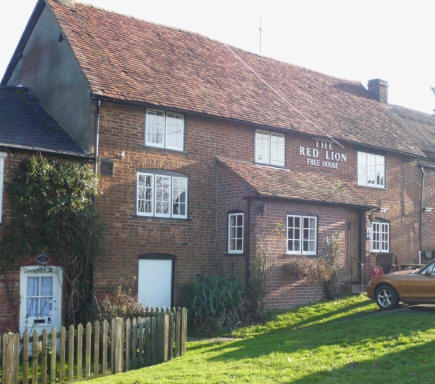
[(420, 240), (96, 145), (248, 239), (97, 134)]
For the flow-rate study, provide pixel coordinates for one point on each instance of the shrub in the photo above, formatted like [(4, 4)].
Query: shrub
[(121, 303), (214, 303)]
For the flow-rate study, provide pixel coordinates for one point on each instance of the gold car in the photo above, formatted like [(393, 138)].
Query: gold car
[(411, 287)]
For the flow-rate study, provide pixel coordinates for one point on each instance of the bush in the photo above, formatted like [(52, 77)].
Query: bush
[(121, 303), (214, 303)]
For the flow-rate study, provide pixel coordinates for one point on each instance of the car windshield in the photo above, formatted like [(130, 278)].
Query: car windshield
[(423, 270)]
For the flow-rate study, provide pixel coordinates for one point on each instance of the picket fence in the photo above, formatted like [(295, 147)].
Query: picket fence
[(96, 349)]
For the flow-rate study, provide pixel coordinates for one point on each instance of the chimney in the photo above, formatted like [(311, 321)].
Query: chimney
[(67, 3), (378, 90)]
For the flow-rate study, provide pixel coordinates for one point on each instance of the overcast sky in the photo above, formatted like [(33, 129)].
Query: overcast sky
[(350, 39)]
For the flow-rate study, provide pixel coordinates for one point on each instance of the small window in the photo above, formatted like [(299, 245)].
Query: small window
[(164, 129), (380, 237), (2, 167), (371, 170), (161, 195), (235, 232), (301, 235), (269, 148)]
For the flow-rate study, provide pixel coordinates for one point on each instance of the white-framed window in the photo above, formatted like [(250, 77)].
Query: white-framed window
[(2, 170), (380, 236), (236, 223), (269, 148), (371, 170), (161, 195), (164, 129), (301, 235)]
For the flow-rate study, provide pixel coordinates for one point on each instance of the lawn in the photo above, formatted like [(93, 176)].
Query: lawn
[(343, 341)]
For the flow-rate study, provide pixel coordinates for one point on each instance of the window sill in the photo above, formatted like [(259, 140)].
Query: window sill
[(271, 165), (300, 255), (178, 220), (371, 187), (166, 150), (234, 254)]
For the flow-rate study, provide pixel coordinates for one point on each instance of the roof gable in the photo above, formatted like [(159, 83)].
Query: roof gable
[(132, 60)]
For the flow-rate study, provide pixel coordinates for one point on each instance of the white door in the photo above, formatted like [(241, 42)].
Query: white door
[(155, 283), (40, 298)]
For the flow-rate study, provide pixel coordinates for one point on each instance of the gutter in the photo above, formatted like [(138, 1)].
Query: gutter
[(45, 150)]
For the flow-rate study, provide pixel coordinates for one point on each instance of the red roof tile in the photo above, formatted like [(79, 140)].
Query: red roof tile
[(133, 60), (293, 185)]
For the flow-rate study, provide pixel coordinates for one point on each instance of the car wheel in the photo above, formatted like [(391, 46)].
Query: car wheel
[(386, 297)]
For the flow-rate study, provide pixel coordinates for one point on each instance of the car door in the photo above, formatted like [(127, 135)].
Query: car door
[(422, 285)]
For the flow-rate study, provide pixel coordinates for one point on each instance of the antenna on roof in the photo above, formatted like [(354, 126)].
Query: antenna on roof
[(261, 34)]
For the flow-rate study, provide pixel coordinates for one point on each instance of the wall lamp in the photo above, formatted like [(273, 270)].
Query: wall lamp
[(427, 209)]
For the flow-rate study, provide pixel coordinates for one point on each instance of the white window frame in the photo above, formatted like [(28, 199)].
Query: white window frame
[(153, 201), (300, 251), (363, 168), (380, 230), (269, 161), (164, 145), (2, 172), (236, 251)]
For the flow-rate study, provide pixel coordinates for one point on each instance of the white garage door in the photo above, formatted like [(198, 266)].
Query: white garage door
[(155, 282)]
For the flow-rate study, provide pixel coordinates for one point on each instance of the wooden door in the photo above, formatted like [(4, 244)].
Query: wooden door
[(353, 255)]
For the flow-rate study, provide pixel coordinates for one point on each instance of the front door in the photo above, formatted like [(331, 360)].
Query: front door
[(155, 281), (40, 298), (353, 234)]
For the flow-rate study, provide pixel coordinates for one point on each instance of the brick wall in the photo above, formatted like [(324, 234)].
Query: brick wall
[(428, 218)]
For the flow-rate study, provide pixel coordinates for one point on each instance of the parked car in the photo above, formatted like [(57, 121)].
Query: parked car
[(411, 287)]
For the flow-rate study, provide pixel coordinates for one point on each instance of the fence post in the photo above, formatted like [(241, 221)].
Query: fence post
[(96, 348), (127, 344), (79, 351), (88, 349), (53, 356), (183, 330), (44, 356), (118, 345), (178, 332), (62, 338), (162, 337), (71, 353), (26, 357), (171, 336), (35, 357), (105, 338)]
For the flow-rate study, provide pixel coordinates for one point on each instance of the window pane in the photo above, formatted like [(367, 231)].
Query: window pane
[(179, 193), (155, 128), (277, 151), (380, 171), (32, 307), (174, 131), (163, 185), (145, 194), (46, 286), (33, 286), (262, 147), (239, 244), (46, 304)]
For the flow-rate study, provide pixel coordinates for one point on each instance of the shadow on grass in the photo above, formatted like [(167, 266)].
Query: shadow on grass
[(411, 365), (347, 331)]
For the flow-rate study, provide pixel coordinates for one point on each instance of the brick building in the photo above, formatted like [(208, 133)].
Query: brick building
[(208, 154)]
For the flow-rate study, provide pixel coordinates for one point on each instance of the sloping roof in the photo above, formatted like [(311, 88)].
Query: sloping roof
[(25, 124), (293, 185), (419, 126), (132, 60)]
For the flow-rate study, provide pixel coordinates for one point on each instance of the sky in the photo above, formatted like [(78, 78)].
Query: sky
[(349, 39)]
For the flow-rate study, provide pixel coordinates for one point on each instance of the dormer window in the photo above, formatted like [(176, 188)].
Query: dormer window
[(164, 129), (269, 148)]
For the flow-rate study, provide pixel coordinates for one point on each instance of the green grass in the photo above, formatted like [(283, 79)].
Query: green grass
[(343, 341)]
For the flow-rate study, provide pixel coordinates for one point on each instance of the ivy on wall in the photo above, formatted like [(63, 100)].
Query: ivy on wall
[(53, 212)]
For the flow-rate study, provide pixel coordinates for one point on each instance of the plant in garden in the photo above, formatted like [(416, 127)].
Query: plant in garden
[(214, 302), (53, 212), (322, 268)]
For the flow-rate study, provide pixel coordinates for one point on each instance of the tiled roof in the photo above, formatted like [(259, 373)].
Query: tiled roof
[(133, 60), (25, 124), (294, 185), (419, 126)]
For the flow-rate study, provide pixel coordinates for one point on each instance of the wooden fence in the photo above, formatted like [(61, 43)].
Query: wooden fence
[(93, 350)]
